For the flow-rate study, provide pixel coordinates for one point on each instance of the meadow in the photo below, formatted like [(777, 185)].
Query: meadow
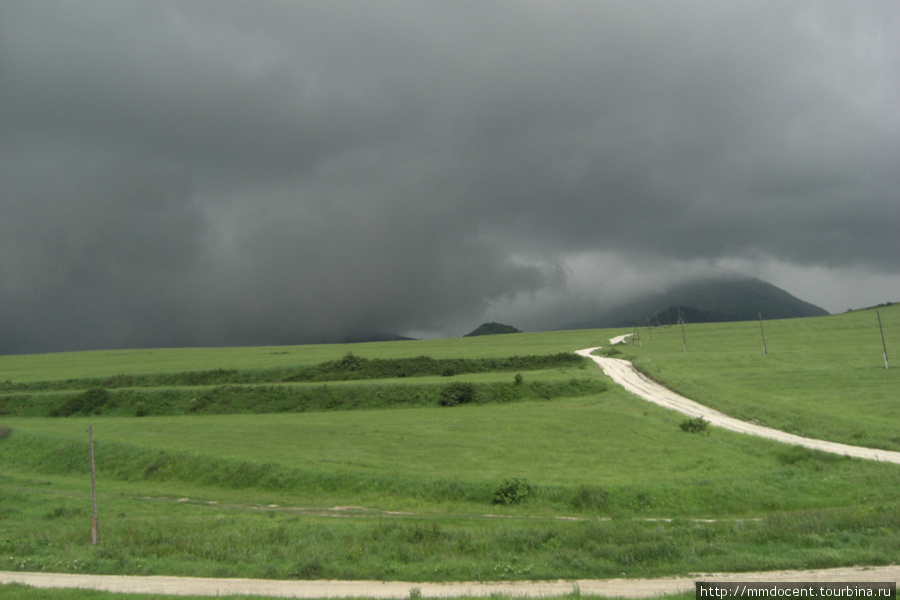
[(820, 378), (546, 471)]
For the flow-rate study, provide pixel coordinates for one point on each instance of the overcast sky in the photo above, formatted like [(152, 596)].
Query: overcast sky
[(230, 173)]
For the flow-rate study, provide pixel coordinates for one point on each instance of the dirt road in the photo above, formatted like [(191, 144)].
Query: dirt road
[(622, 588), (624, 373)]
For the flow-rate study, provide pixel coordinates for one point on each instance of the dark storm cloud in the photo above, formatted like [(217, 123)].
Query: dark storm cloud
[(270, 172)]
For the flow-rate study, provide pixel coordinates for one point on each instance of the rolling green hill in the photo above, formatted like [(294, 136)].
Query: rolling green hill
[(585, 482)]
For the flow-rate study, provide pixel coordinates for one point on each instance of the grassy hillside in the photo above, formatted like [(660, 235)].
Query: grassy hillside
[(566, 485), (107, 363), (821, 377)]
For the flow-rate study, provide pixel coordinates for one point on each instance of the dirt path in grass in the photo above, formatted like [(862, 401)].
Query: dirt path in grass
[(621, 588), (624, 373)]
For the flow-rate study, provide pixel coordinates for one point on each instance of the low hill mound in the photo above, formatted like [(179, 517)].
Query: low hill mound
[(492, 328)]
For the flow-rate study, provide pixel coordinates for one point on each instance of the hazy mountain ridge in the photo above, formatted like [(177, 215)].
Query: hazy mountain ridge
[(719, 299)]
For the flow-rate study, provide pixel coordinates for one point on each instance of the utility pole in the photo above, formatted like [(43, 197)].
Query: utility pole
[(765, 350), (884, 347), (95, 531)]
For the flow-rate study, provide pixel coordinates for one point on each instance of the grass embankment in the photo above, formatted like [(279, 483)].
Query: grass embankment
[(591, 478), (332, 385), (822, 377)]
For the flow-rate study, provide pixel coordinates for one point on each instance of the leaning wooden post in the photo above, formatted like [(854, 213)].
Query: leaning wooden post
[(765, 350), (95, 531), (883, 346)]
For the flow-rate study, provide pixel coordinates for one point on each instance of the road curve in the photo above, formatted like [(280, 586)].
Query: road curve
[(613, 588), (624, 373)]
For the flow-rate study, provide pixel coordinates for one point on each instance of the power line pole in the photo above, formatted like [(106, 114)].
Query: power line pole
[(765, 350), (883, 346), (95, 531)]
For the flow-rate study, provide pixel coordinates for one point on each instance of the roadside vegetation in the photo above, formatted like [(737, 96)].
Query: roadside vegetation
[(580, 480)]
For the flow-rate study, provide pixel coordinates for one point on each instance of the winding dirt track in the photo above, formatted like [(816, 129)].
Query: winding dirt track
[(624, 373), (620, 371), (621, 588)]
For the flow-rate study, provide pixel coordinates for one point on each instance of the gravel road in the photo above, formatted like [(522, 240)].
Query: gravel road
[(621, 588), (624, 373)]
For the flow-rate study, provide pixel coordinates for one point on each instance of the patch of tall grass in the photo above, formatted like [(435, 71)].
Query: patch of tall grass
[(148, 536)]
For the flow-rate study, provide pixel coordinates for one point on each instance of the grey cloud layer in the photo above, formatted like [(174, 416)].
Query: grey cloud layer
[(271, 172)]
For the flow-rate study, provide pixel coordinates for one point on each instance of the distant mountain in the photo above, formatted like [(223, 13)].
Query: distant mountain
[(730, 298), (492, 329)]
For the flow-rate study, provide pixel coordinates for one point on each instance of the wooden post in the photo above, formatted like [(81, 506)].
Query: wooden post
[(95, 530), (883, 346), (765, 350)]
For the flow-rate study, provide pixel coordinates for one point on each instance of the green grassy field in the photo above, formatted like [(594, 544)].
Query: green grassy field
[(585, 482), (823, 378)]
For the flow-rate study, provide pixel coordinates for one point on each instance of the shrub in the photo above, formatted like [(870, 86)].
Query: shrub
[(697, 425), (512, 491), (458, 392), (89, 402), (350, 362)]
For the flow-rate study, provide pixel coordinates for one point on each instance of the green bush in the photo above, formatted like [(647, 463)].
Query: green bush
[(697, 425), (457, 393), (512, 491), (350, 362)]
